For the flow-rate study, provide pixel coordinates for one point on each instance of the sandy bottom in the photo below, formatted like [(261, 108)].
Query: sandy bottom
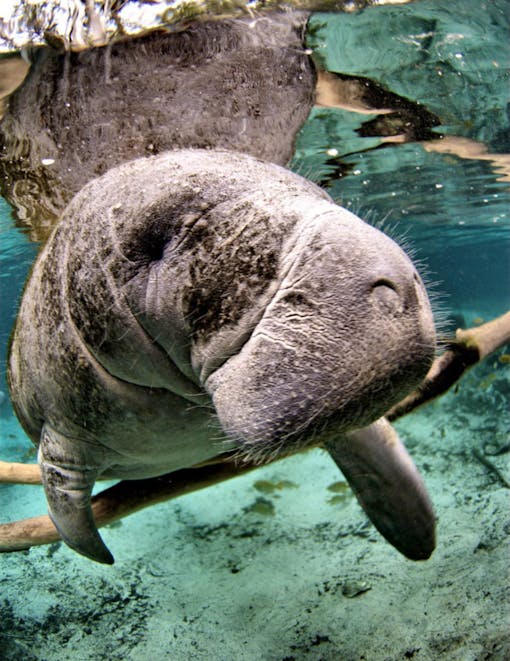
[(282, 564)]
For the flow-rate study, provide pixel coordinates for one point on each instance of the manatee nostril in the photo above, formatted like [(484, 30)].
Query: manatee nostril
[(384, 282), (385, 293), (418, 283)]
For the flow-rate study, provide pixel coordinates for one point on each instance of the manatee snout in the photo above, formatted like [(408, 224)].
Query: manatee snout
[(348, 333)]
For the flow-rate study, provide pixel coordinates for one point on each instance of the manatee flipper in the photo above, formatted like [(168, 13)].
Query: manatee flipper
[(68, 480), (388, 486)]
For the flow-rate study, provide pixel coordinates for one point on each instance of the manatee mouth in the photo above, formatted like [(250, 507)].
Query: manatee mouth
[(270, 404), (229, 341)]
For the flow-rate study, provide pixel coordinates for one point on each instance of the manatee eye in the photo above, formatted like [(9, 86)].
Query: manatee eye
[(148, 247), (156, 249)]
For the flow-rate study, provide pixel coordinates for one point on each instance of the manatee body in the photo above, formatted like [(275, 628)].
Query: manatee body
[(203, 301)]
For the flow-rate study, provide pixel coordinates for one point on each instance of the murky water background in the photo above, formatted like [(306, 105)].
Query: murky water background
[(260, 568)]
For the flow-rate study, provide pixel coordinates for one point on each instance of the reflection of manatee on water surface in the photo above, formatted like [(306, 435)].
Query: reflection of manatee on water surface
[(200, 300), (244, 84), (203, 301)]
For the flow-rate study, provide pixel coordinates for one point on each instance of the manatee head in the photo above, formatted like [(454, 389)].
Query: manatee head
[(292, 313)]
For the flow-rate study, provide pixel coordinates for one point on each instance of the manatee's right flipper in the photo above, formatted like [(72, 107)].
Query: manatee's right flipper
[(388, 486), (68, 483)]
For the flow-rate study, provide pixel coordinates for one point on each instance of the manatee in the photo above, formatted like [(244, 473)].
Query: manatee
[(203, 301)]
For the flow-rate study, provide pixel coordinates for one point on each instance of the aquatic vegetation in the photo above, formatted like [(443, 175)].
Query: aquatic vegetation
[(338, 487)]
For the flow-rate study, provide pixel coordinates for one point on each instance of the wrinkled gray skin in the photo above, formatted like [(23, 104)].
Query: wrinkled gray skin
[(203, 301)]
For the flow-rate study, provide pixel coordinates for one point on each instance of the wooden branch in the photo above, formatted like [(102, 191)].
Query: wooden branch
[(19, 473), (124, 498), (485, 461), (488, 337), (469, 347)]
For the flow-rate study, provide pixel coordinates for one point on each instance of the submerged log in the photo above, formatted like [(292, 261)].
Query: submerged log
[(469, 347), (118, 501)]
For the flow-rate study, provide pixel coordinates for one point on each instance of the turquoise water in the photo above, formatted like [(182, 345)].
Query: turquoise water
[(263, 567), (16, 257)]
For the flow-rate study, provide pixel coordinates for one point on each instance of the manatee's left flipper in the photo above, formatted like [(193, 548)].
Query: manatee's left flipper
[(68, 477), (388, 486)]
